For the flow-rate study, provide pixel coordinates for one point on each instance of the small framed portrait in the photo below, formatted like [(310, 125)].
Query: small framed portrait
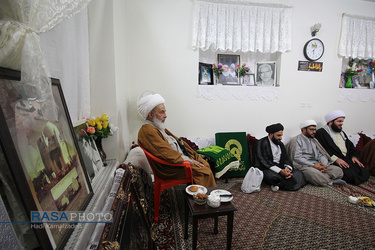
[(205, 74), (249, 79), (266, 74), (230, 64), (89, 151), (364, 76)]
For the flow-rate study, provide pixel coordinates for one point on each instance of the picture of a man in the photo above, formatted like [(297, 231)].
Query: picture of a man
[(266, 74), (249, 79), (229, 73), (206, 77), (364, 76), (205, 74)]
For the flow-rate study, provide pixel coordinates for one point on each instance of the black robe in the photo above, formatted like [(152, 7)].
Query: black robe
[(355, 174), (263, 159)]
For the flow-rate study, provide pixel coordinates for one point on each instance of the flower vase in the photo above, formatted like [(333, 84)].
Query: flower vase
[(99, 145), (241, 80), (348, 82)]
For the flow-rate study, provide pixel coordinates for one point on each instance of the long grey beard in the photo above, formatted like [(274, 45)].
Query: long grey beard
[(159, 124)]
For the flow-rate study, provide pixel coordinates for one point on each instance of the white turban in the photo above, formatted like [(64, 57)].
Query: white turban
[(334, 115), (148, 103), (307, 123)]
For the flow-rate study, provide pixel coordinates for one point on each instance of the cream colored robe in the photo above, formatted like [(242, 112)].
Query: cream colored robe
[(150, 138)]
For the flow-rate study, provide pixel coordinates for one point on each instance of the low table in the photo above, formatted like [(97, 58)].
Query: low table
[(205, 211)]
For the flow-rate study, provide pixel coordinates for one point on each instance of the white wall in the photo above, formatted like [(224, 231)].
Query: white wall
[(151, 43), (103, 70)]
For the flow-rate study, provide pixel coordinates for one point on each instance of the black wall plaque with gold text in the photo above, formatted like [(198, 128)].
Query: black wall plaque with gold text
[(310, 66)]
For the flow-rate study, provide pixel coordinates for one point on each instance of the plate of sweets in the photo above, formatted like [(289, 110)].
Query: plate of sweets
[(362, 201), (194, 189), (366, 201), (200, 198), (225, 195)]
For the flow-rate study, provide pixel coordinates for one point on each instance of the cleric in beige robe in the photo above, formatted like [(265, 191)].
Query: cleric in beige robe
[(309, 156), (155, 138)]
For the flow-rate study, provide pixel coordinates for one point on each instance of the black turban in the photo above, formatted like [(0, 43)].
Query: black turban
[(274, 128)]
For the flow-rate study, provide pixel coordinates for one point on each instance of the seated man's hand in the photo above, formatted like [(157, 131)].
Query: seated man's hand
[(286, 173), (342, 163), (321, 167), (196, 163), (355, 160)]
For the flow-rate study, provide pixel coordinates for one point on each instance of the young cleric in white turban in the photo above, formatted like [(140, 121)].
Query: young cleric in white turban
[(310, 157), (159, 141), (340, 149)]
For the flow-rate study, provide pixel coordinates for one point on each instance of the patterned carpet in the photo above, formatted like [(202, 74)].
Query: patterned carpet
[(312, 218)]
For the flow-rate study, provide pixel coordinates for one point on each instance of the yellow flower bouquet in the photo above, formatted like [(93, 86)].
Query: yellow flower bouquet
[(99, 127)]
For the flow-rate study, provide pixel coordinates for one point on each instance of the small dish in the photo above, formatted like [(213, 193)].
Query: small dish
[(201, 189), (200, 201), (213, 201), (220, 192), (366, 202)]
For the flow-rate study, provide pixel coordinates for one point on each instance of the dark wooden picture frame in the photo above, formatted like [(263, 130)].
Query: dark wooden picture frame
[(89, 151), (43, 157), (205, 74), (230, 64)]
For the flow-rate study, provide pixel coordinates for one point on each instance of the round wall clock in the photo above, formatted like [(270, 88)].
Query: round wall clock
[(313, 49)]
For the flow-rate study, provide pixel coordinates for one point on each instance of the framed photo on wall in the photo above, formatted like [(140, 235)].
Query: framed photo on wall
[(266, 74), (249, 79), (89, 151), (230, 65), (44, 157), (205, 74)]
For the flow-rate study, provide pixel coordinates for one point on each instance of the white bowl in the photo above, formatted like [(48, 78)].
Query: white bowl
[(213, 201)]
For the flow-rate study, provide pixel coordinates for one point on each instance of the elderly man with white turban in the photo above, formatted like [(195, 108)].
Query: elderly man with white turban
[(340, 149), (309, 156), (159, 141)]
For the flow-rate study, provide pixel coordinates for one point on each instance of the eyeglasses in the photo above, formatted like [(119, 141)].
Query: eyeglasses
[(264, 72), (312, 129)]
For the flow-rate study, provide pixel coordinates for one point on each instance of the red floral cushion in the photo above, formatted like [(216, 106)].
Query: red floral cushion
[(190, 143), (363, 140), (251, 141)]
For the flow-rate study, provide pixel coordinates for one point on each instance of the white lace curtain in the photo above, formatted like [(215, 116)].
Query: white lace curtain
[(66, 52), (21, 22), (241, 26), (357, 37)]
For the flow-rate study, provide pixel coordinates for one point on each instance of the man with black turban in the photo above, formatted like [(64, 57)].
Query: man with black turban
[(272, 159)]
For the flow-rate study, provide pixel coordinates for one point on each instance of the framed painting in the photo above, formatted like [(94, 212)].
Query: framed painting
[(230, 65), (205, 74), (249, 79), (43, 156), (266, 74), (88, 149)]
